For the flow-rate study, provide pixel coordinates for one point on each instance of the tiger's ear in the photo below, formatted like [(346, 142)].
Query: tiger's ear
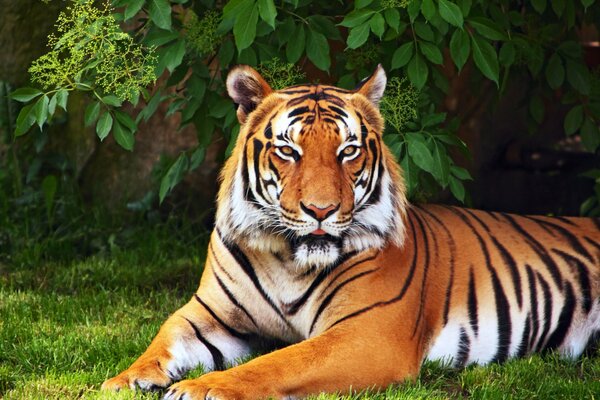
[(373, 86), (247, 89)]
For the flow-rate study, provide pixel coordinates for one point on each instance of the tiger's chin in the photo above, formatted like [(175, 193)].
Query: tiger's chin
[(316, 252)]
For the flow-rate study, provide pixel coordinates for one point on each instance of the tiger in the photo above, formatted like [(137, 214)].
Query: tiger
[(315, 246)]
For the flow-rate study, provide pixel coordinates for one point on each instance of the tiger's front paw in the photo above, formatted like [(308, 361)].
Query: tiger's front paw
[(148, 376), (213, 386)]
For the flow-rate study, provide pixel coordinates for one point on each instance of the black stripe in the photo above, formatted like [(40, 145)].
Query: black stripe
[(269, 130), (425, 271), (292, 307), (232, 331), (594, 243), (539, 249), (338, 111), (400, 295), (230, 295), (452, 246), (512, 266), (464, 347), (298, 111), (533, 303), (342, 272), (547, 312), (571, 238), (502, 304), (219, 364), (473, 318), (331, 295), (579, 269), (247, 267), (564, 320), (523, 347)]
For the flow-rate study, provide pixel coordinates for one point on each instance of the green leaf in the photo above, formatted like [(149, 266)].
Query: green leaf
[(428, 9), (52, 105), (104, 125), (317, 50), (377, 24), (424, 31), (174, 55), (160, 13), (392, 17), (410, 173), (126, 120), (413, 8), (487, 28), (507, 54), (133, 7), (295, 45), (49, 186), (112, 100), (485, 58), (578, 76), (465, 6), (61, 98), (432, 119), (234, 8), (23, 95), (420, 153), (25, 120), (539, 5), (356, 18), (267, 11), (590, 135), (559, 7), (451, 13), (244, 28), (417, 71), (573, 119), (587, 3), (460, 47), (536, 108), (173, 176), (123, 136), (197, 158), (158, 37), (40, 110), (457, 189), (555, 72), (91, 113), (362, 3), (441, 164), (324, 25), (358, 36), (431, 52), (402, 55), (460, 173)]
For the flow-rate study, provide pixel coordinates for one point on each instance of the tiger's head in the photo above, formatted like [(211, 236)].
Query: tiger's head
[(310, 174)]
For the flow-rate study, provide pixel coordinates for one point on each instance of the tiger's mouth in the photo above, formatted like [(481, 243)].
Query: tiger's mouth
[(316, 249)]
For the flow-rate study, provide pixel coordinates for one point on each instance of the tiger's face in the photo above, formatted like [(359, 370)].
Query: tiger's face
[(310, 174)]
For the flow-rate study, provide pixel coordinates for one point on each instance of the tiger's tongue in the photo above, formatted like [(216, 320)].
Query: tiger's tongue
[(318, 232)]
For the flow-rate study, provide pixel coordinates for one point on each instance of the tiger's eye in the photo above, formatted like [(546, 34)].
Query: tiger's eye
[(286, 150), (350, 150)]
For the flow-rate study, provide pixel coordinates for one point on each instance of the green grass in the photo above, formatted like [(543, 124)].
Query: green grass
[(67, 325)]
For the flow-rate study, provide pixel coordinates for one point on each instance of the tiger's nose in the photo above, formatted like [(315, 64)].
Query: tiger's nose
[(319, 213)]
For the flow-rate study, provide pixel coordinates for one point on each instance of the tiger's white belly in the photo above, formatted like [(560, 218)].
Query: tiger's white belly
[(457, 343)]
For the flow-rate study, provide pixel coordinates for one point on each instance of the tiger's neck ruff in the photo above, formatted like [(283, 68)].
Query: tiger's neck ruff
[(310, 177)]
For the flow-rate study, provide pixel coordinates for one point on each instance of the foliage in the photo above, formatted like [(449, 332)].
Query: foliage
[(420, 42)]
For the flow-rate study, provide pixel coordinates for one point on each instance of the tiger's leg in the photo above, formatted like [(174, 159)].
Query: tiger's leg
[(193, 335), (367, 353)]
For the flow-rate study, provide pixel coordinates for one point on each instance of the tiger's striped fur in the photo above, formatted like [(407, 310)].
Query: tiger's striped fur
[(315, 245)]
